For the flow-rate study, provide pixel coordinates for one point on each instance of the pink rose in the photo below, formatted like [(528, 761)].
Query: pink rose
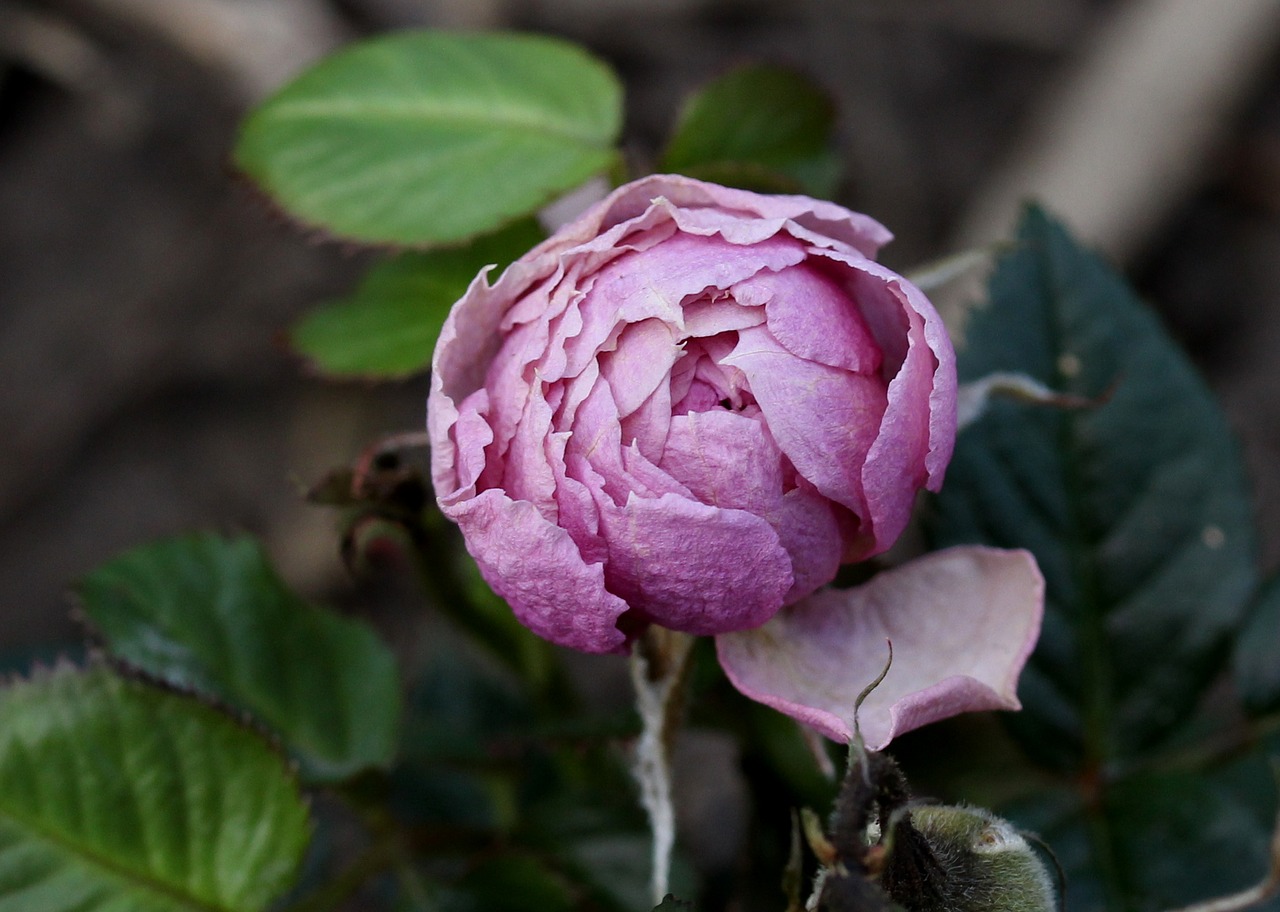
[(689, 407)]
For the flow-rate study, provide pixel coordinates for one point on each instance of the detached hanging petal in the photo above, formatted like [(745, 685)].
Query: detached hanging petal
[(962, 623)]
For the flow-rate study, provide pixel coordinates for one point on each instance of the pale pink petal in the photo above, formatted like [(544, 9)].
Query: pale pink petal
[(831, 222), (576, 507), (648, 425), (895, 467), (823, 418), (725, 460), (537, 568), (962, 623), (527, 472), (465, 449), (812, 316), (724, 314), (642, 360), (655, 282), (692, 567), (597, 440), (811, 532)]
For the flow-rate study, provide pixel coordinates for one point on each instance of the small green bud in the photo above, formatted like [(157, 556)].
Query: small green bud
[(983, 864)]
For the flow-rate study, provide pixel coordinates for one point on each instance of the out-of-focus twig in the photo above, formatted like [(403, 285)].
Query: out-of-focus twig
[(49, 45), (258, 44), (1129, 130), (1040, 24), (1131, 126)]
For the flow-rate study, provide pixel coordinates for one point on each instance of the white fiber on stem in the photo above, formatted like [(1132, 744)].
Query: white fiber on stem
[(657, 672)]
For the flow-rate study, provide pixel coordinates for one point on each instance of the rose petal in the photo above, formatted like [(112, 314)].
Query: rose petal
[(537, 568), (823, 418), (465, 446), (647, 426), (725, 460), (812, 316), (597, 441), (812, 535), (643, 359), (962, 623), (744, 211), (708, 317), (527, 473), (692, 567), (653, 284), (895, 467)]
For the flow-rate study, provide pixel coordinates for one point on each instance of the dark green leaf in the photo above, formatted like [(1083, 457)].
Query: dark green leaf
[(1157, 841), (462, 703), (210, 613), (388, 327), (759, 127), (1137, 509), (424, 138), (509, 883), (117, 795), (1257, 656)]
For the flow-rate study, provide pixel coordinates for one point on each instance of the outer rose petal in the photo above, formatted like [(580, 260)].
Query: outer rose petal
[(692, 567), (538, 569), (962, 623)]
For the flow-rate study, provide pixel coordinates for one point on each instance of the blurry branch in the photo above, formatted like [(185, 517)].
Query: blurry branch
[(1131, 126), (258, 44), (56, 50), (49, 46), (1134, 122), (1039, 24)]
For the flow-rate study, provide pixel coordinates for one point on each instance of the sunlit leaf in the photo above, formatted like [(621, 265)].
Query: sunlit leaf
[(423, 138)]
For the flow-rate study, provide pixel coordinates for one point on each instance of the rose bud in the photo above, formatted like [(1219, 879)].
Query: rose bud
[(689, 407)]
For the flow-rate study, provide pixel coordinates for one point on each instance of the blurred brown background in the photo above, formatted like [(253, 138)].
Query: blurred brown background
[(142, 391)]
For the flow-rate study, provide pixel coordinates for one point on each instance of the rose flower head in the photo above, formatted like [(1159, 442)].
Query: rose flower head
[(689, 407)]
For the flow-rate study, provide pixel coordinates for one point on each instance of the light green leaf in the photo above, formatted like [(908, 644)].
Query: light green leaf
[(424, 138), (1136, 509), (210, 613), (759, 127), (117, 796), (388, 327)]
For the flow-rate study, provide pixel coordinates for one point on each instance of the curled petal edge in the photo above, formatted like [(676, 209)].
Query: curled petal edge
[(962, 621)]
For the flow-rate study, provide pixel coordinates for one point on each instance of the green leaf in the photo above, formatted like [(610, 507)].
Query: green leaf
[(755, 125), (210, 613), (424, 138), (1257, 666), (388, 327), (509, 883), (117, 795), (1137, 509), (1161, 840)]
